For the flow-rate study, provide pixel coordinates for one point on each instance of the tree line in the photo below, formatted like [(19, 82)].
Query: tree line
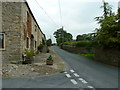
[(106, 36)]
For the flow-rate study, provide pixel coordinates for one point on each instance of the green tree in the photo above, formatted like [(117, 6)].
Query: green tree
[(107, 33), (62, 36), (84, 37), (107, 11), (49, 42), (79, 38)]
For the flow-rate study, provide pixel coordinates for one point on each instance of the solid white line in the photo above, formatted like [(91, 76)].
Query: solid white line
[(76, 74), (73, 81), (90, 87), (68, 75), (72, 71)]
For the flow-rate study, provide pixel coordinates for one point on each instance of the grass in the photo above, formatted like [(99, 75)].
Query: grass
[(90, 56)]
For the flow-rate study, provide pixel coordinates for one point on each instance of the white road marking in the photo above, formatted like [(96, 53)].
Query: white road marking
[(65, 72), (90, 86), (73, 81), (72, 71), (76, 74), (84, 81), (68, 75), (80, 79)]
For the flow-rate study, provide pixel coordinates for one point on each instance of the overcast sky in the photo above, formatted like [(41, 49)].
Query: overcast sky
[(77, 15)]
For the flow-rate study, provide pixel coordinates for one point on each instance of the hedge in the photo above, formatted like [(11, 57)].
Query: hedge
[(81, 43)]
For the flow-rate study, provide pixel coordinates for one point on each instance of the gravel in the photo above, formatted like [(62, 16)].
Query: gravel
[(37, 68)]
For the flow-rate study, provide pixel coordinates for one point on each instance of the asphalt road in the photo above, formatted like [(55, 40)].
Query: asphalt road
[(82, 73)]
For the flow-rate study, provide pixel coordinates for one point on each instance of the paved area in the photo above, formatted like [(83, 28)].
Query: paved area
[(37, 68), (81, 73), (97, 74)]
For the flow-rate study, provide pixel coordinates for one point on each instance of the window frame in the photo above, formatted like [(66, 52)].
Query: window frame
[(3, 41)]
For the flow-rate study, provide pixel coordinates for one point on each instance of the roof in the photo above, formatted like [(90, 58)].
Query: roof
[(34, 17)]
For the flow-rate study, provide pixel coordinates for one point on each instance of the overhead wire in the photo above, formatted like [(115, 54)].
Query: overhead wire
[(60, 12), (46, 13)]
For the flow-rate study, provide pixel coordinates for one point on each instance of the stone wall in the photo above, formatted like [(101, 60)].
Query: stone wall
[(11, 26), (31, 28), (108, 56), (17, 28), (82, 50)]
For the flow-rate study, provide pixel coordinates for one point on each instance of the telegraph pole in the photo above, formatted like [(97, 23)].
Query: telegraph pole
[(62, 36)]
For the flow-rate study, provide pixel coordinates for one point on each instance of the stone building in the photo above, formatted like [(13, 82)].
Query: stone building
[(20, 31)]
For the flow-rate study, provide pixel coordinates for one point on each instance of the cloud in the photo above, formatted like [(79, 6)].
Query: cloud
[(77, 15)]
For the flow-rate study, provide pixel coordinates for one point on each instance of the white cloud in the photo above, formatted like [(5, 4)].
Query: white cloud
[(77, 15)]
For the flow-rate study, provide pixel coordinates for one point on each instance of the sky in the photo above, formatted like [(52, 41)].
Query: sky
[(76, 16)]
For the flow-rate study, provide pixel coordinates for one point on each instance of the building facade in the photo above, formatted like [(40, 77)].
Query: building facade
[(20, 31)]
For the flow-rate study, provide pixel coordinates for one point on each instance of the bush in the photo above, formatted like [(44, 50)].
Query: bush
[(81, 43), (29, 56), (40, 47), (49, 42), (85, 44), (49, 60), (71, 43)]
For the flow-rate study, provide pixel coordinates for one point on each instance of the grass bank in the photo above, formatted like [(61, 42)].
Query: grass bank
[(89, 56)]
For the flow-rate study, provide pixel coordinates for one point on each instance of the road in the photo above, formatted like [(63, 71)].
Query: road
[(82, 73)]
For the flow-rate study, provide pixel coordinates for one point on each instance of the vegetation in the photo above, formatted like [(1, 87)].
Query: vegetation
[(40, 47), (62, 36), (89, 56), (49, 60), (107, 34), (81, 43), (84, 44), (49, 42), (85, 37), (28, 56), (43, 41)]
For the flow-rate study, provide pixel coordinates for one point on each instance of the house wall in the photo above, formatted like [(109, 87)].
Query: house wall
[(11, 25), (17, 29), (33, 28)]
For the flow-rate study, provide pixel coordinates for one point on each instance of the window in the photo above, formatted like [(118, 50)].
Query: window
[(2, 41), (27, 43)]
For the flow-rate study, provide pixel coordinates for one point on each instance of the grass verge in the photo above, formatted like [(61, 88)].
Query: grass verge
[(90, 56)]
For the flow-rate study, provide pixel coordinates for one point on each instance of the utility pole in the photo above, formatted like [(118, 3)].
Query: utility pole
[(119, 4), (118, 32), (62, 36)]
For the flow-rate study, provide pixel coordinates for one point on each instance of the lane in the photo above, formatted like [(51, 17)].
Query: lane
[(82, 73), (54, 81), (61, 80), (97, 74)]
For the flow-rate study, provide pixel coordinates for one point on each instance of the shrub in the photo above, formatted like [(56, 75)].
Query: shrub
[(40, 47), (71, 43), (49, 42), (29, 56), (81, 43), (50, 58), (84, 44)]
